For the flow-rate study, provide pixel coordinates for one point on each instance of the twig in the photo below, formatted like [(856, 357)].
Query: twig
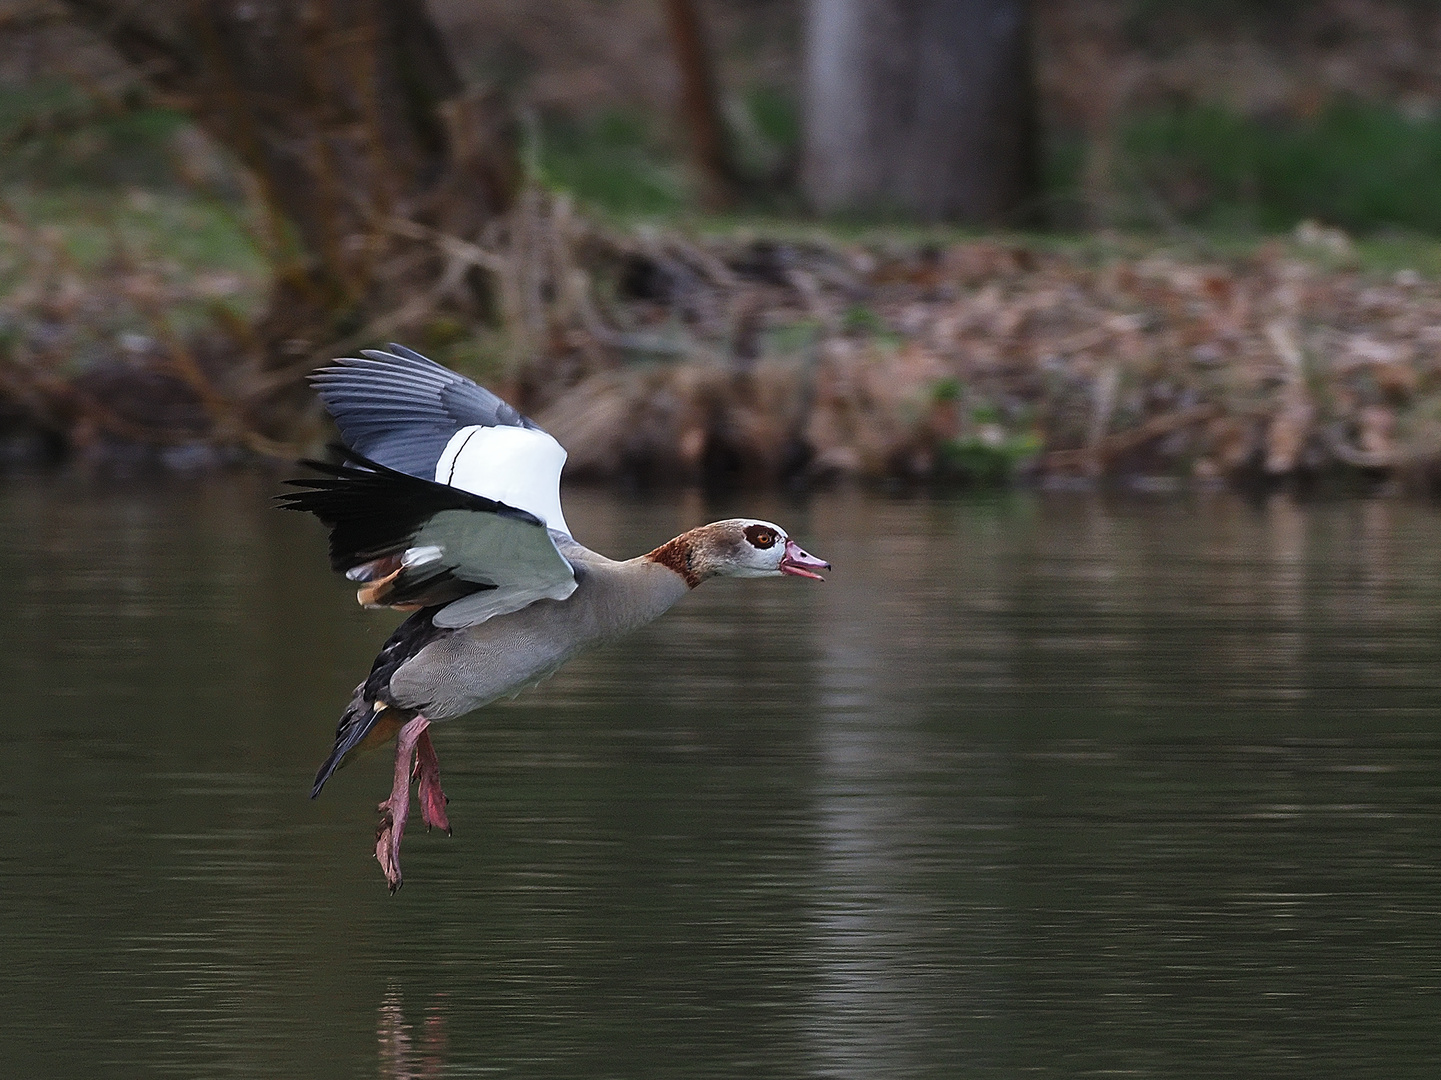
[(380, 327), (1113, 446), (452, 246)]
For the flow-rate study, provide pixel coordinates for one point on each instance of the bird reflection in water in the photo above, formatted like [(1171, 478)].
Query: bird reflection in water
[(404, 1055)]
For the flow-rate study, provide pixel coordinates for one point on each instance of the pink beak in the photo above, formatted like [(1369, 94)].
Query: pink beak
[(801, 563)]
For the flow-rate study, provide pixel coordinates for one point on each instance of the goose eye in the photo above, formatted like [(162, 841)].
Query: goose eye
[(760, 537)]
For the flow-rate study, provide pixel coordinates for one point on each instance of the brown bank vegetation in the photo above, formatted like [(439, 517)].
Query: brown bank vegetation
[(985, 360), (663, 356)]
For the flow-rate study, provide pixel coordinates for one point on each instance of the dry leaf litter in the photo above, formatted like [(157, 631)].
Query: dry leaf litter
[(665, 357)]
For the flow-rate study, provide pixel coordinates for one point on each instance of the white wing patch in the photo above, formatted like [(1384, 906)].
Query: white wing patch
[(421, 556), (517, 466)]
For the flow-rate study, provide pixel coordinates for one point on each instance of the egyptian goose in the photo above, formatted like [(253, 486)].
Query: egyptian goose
[(448, 506)]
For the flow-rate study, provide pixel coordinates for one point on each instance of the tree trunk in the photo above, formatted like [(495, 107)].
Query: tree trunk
[(921, 107), (355, 124), (701, 107)]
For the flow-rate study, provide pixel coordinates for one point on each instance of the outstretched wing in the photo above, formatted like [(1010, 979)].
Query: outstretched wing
[(414, 416), (416, 543)]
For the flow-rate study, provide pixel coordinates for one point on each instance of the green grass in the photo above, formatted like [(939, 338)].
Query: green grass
[(614, 163), (1366, 167), (194, 233), (775, 117), (201, 247), (618, 164), (1362, 166), (95, 200), (71, 142), (110, 187)]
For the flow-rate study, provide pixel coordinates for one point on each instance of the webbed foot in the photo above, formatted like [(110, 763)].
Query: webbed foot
[(395, 810), (432, 797)]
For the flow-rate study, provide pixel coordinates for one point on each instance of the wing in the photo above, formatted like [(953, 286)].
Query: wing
[(416, 543), (414, 416)]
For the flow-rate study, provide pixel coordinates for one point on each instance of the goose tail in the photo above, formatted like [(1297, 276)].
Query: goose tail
[(363, 726)]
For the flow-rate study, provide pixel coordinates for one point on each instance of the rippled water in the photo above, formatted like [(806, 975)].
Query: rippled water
[(1033, 785)]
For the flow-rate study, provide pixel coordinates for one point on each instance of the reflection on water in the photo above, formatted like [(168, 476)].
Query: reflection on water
[(404, 1053), (1061, 786)]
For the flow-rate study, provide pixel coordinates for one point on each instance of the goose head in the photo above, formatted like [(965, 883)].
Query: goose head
[(737, 547)]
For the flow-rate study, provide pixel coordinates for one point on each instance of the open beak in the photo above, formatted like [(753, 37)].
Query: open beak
[(801, 563)]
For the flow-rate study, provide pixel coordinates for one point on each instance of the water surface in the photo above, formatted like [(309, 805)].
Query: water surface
[(1053, 786)]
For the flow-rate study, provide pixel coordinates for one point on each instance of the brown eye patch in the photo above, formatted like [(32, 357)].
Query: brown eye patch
[(760, 536)]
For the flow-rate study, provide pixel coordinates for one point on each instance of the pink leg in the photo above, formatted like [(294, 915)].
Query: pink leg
[(432, 798), (396, 809)]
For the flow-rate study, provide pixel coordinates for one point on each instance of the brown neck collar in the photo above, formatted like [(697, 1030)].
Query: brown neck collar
[(680, 555)]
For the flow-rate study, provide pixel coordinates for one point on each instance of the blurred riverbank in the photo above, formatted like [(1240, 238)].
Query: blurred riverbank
[(1198, 319), (767, 354)]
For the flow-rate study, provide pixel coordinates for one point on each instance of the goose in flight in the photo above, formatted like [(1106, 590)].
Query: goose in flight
[(447, 506)]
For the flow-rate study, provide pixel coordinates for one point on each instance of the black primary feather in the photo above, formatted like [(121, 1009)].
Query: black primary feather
[(374, 511), (400, 409), (409, 638)]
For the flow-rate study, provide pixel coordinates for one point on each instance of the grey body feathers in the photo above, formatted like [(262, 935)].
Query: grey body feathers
[(463, 670)]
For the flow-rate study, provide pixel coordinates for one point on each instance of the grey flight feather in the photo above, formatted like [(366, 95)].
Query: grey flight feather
[(518, 559), (441, 535), (400, 409)]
